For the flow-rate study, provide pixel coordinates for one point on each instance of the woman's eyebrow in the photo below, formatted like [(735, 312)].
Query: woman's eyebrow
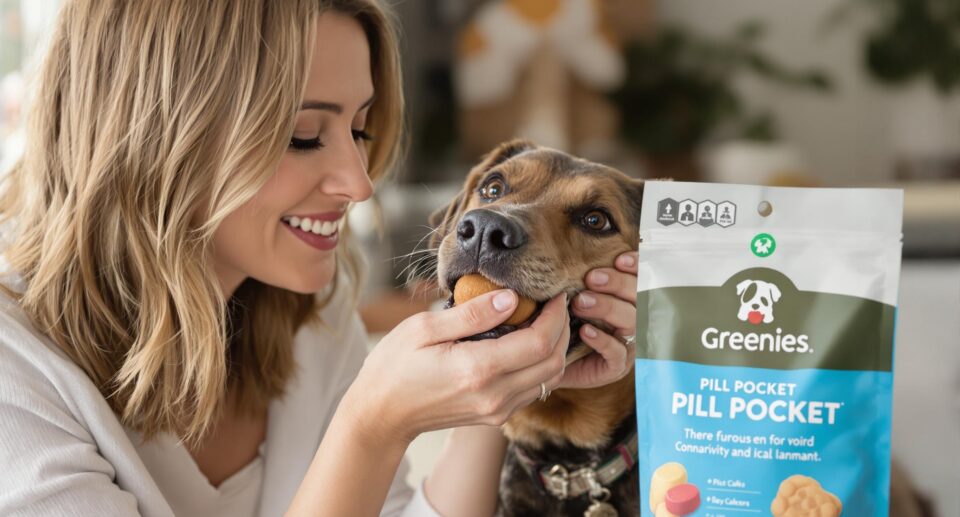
[(331, 106)]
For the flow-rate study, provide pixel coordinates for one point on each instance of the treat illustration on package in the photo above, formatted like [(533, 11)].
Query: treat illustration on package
[(670, 494), (802, 496)]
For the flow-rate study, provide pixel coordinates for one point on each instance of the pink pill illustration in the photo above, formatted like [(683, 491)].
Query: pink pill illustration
[(682, 499)]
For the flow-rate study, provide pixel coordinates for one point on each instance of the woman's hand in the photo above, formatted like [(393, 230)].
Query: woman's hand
[(612, 298), (419, 379)]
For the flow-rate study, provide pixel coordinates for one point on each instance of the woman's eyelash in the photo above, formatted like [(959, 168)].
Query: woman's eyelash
[(359, 134), (312, 144), (301, 144)]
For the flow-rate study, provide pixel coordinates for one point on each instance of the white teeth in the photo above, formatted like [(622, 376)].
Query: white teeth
[(325, 228)]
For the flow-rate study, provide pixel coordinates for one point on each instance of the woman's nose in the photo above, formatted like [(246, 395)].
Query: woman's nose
[(346, 171)]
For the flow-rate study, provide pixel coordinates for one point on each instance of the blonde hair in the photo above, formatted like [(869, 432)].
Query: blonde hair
[(151, 123)]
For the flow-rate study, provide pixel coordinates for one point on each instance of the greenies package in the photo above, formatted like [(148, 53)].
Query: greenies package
[(765, 328)]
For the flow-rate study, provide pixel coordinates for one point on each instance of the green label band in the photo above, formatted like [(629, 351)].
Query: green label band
[(759, 318)]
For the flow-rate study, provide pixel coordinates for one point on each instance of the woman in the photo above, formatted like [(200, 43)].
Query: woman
[(171, 344)]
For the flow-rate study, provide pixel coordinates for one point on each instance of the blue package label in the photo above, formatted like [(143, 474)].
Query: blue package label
[(739, 432)]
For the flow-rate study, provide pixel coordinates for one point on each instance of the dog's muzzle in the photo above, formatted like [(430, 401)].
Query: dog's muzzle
[(491, 243)]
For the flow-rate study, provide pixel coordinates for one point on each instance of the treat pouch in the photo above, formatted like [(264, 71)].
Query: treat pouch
[(765, 329)]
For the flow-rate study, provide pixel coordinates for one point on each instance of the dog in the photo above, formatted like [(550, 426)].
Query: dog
[(756, 301), (536, 220)]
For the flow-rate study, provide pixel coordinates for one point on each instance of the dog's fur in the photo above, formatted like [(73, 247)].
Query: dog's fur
[(547, 195)]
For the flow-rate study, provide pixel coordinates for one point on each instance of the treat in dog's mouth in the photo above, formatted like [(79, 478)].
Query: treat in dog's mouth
[(472, 285)]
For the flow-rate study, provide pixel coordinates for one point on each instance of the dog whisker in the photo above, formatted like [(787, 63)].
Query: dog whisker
[(415, 266), (414, 252), (419, 269), (425, 262)]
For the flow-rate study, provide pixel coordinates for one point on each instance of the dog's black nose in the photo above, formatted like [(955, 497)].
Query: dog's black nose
[(756, 306), (489, 233)]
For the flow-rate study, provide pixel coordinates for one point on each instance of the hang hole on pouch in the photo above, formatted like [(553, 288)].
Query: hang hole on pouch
[(765, 208)]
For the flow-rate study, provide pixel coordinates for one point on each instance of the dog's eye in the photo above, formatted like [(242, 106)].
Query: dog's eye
[(597, 221), (493, 189)]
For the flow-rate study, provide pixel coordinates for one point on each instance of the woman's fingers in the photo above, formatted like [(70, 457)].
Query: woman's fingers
[(547, 371), (529, 395), (627, 262), (612, 361), (504, 392), (524, 398), (472, 317), (522, 348), (613, 311), (621, 284), (612, 295)]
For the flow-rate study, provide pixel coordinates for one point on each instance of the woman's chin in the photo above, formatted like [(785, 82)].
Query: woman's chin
[(299, 277), (312, 281)]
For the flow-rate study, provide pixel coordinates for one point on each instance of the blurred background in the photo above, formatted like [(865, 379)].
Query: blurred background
[(775, 92)]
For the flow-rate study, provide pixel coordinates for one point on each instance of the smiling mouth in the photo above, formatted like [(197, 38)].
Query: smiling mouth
[(316, 227)]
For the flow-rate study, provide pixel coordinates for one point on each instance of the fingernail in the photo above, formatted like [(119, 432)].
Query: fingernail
[(626, 260), (589, 331), (504, 301), (586, 301), (600, 278)]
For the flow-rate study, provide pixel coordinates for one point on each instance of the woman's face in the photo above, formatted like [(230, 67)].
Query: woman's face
[(286, 235)]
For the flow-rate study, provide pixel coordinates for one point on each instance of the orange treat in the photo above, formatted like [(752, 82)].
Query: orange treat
[(471, 286)]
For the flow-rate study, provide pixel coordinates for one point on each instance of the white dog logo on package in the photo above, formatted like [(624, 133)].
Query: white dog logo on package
[(756, 301), (765, 351)]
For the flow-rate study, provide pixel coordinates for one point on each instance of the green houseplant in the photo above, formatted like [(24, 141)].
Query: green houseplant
[(679, 94), (914, 39), (913, 48)]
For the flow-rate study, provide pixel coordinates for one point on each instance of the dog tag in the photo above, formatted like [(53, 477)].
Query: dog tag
[(600, 509)]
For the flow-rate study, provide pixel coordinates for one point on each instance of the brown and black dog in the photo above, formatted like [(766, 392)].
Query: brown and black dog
[(537, 220)]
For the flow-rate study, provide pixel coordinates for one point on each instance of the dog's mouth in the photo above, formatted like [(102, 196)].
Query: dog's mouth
[(576, 349)]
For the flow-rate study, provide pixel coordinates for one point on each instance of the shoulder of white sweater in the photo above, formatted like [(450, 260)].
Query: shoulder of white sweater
[(25, 351), (41, 387), (65, 451)]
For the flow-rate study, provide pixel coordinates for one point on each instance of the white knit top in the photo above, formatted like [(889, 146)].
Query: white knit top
[(64, 452)]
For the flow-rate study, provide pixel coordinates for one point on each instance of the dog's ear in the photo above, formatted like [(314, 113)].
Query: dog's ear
[(742, 286), (504, 152), (634, 190), (774, 292), (442, 218)]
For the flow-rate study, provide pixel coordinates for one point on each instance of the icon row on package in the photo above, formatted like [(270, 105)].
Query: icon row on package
[(689, 212)]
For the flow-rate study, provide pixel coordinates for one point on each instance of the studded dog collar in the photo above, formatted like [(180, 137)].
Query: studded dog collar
[(565, 482)]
